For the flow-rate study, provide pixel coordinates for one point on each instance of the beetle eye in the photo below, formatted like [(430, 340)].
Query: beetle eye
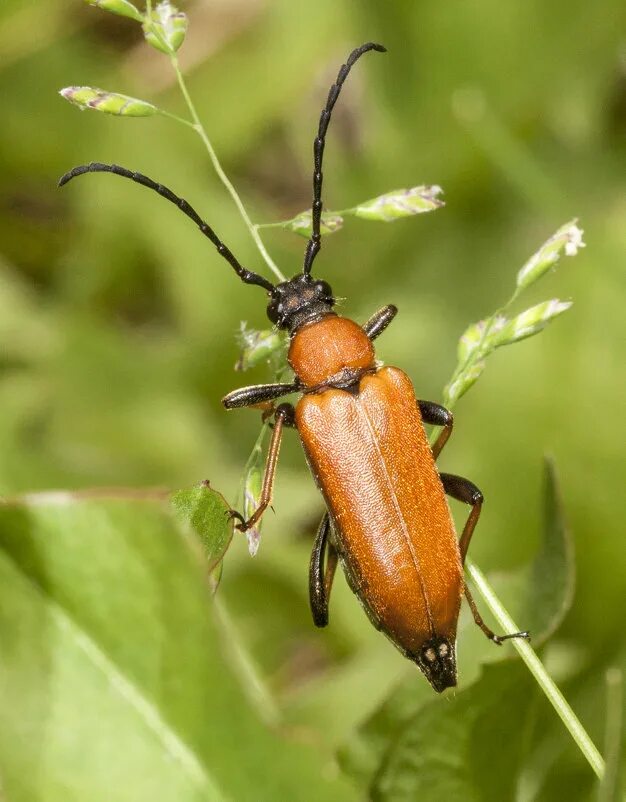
[(272, 310), (324, 289)]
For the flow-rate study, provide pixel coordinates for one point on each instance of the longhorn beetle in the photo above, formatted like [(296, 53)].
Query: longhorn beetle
[(362, 431)]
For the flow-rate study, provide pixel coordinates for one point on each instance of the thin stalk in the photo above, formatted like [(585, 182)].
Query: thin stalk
[(199, 128), (535, 666), (177, 118)]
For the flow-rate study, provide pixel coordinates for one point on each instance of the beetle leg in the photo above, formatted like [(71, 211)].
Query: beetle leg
[(284, 417), (467, 492), (379, 321), (321, 576), (257, 394), (497, 639), (437, 416)]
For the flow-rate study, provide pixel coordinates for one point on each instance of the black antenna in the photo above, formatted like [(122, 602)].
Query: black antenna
[(314, 243), (247, 276)]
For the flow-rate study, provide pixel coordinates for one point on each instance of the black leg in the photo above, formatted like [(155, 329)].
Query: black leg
[(437, 415), (257, 394), (379, 321), (284, 413), (321, 575), (315, 242), (246, 276), (467, 492)]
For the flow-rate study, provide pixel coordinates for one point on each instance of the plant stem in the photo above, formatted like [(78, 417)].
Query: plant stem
[(199, 128), (535, 666), (177, 118)]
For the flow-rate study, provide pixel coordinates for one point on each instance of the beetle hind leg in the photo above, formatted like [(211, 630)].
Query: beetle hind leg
[(321, 573), (467, 492), (497, 639)]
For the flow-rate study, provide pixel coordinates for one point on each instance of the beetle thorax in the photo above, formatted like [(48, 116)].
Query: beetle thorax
[(328, 348)]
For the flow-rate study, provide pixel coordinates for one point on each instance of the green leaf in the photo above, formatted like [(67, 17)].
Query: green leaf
[(400, 203), (88, 97), (121, 7), (206, 512), (114, 683), (165, 30), (539, 595), (444, 749)]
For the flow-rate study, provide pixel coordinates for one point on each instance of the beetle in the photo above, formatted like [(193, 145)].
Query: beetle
[(362, 431)]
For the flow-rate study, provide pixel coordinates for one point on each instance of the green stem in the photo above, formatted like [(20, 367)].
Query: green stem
[(535, 666), (178, 119), (199, 128), (280, 224)]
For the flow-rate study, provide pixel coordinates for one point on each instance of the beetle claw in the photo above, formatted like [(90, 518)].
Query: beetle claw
[(234, 515)]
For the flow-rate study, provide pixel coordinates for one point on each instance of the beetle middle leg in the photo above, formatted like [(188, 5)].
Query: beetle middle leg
[(284, 416), (321, 573), (437, 415), (467, 492)]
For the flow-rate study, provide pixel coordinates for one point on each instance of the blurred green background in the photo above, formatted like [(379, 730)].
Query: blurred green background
[(118, 320)]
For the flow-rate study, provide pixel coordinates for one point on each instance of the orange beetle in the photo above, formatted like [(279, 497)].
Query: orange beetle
[(362, 430)]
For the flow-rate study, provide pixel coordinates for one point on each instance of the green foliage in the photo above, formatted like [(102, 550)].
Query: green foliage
[(113, 670), (121, 7), (206, 512), (117, 327), (440, 751), (480, 339), (165, 28), (541, 593), (86, 97)]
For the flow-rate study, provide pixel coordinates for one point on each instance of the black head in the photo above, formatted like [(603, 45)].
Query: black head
[(437, 659), (298, 301)]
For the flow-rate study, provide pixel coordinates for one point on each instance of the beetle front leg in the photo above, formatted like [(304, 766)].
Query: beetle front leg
[(284, 416), (437, 415), (258, 394), (467, 492), (379, 321), (321, 573)]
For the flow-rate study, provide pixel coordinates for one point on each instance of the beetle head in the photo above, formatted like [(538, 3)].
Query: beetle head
[(300, 300), (437, 660)]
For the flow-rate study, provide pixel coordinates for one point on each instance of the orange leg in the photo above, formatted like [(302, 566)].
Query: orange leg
[(283, 417)]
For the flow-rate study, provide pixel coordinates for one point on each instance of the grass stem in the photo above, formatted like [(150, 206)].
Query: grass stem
[(199, 128)]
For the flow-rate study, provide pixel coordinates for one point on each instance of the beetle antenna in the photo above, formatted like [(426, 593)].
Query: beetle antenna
[(247, 276), (314, 244)]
